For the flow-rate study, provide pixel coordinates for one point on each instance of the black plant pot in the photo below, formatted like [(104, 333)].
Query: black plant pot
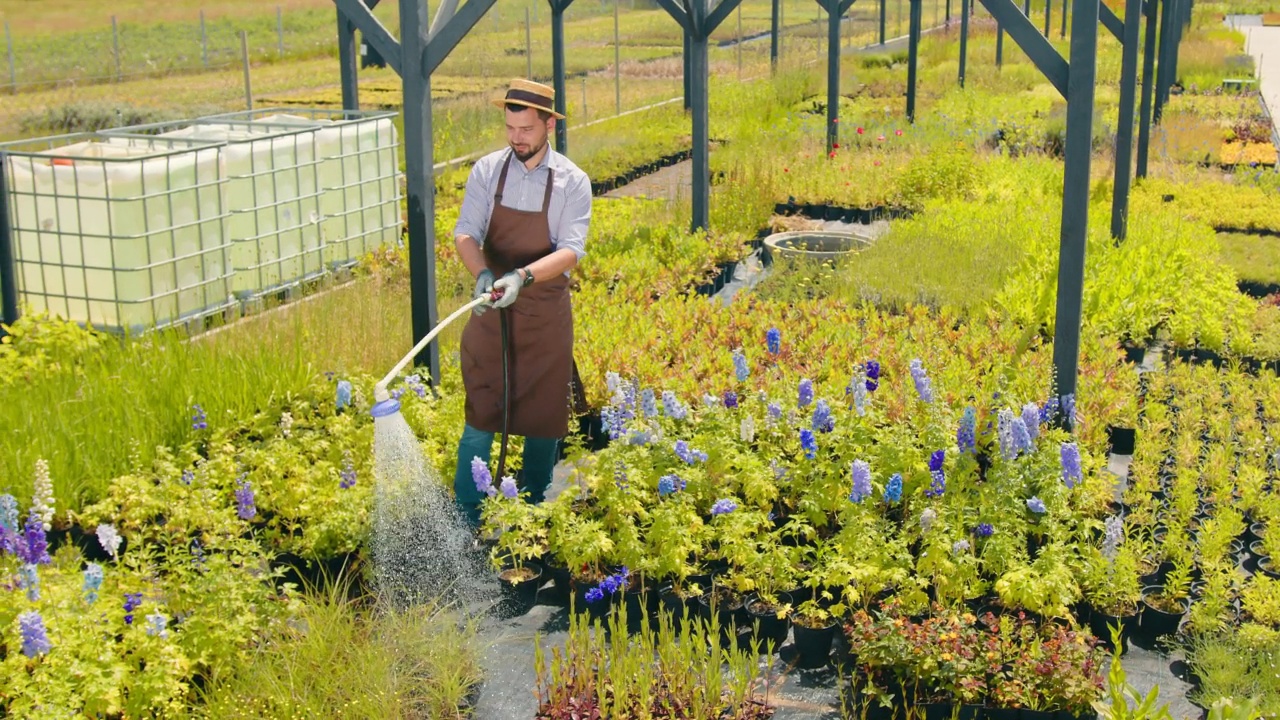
[(1026, 714), (1122, 440), (520, 593), (1154, 623), (936, 711), (1100, 625), (1004, 713), (813, 645), (772, 629), (1267, 566), (1253, 533)]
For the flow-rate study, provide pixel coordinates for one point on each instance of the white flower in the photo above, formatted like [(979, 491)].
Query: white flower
[(927, 519), (42, 497), (286, 423), (748, 429), (109, 539)]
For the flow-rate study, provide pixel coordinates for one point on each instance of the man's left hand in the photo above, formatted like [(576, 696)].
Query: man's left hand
[(510, 285)]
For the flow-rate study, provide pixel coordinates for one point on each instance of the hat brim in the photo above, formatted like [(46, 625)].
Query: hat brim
[(503, 102)]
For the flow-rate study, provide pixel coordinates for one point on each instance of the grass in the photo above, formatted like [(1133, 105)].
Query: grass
[(1254, 258), (341, 658)]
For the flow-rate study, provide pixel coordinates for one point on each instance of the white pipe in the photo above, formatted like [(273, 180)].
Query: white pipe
[(380, 390)]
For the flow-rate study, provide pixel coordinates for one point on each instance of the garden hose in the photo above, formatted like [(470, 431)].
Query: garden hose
[(506, 395)]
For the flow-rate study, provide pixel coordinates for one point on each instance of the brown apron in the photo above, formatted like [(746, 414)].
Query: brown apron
[(543, 376)]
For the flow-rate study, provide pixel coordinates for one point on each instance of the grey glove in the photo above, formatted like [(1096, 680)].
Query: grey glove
[(510, 285), (484, 286)]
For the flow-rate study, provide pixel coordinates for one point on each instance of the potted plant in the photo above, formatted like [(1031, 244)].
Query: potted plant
[(1164, 607), (813, 628)]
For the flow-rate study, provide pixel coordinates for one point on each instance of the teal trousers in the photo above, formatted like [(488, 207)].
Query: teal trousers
[(539, 459)]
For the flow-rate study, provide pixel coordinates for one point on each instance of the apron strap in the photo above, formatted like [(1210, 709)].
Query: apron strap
[(502, 179), (546, 198)]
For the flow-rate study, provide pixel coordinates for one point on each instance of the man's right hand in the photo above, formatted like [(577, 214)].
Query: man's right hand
[(484, 286)]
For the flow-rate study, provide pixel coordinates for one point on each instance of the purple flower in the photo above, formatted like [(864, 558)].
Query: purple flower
[(648, 403), (187, 477), (939, 484), (740, 369), (9, 513), (198, 419), (822, 420), (1114, 535), (861, 481), (29, 580), (775, 412), (348, 473), (936, 459), (672, 406), (873, 375), (92, 582), (1070, 457), (245, 508), (595, 595), (730, 399), (808, 443), (959, 546), (1031, 420), (481, 476), (773, 339), (33, 548), (689, 455), (984, 530), (508, 487), (966, 435), (806, 392), (131, 602), (1036, 505), (723, 506), (35, 641), (924, 386), (1021, 436)]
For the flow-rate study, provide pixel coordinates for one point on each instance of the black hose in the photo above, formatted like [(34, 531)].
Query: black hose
[(506, 396)]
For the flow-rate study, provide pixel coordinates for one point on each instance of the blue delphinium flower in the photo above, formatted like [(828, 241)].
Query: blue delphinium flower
[(342, 397), (724, 505), (198, 419), (131, 602), (157, 625), (806, 392), (858, 389), (730, 399), (924, 386), (893, 489), (595, 594), (1031, 420), (740, 369), (1069, 407), (35, 641), (481, 476), (774, 412), (1070, 457), (187, 477), (808, 443), (1113, 536), (92, 582), (1036, 505), (9, 513), (667, 484), (773, 339), (245, 508), (1004, 430), (29, 580), (822, 420), (648, 403), (984, 530), (939, 484), (966, 434), (861, 481), (672, 406), (1049, 410), (873, 375), (959, 546), (508, 487), (688, 454), (620, 476)]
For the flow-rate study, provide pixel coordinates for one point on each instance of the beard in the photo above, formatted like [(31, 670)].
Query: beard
[(533, 150)]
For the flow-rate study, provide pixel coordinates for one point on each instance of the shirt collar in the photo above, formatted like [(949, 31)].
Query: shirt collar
[(550, 159)]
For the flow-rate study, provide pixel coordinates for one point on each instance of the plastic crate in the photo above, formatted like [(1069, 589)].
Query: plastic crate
[(359, 171), (124, 235), (273, 198)]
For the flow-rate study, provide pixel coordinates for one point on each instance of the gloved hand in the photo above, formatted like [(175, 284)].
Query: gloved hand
[(484, 286), (510, 285)]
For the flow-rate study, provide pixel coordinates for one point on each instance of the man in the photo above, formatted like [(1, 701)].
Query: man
[(523, 221)]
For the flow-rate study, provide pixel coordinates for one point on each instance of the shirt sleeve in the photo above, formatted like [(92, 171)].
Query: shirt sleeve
[(571, 232), (473, 216)]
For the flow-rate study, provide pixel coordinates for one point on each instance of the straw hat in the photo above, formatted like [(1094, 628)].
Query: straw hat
[(529, 94)]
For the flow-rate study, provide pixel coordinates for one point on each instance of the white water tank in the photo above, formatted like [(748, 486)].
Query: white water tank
[(127, 236), (358, 170), (272, 195)]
